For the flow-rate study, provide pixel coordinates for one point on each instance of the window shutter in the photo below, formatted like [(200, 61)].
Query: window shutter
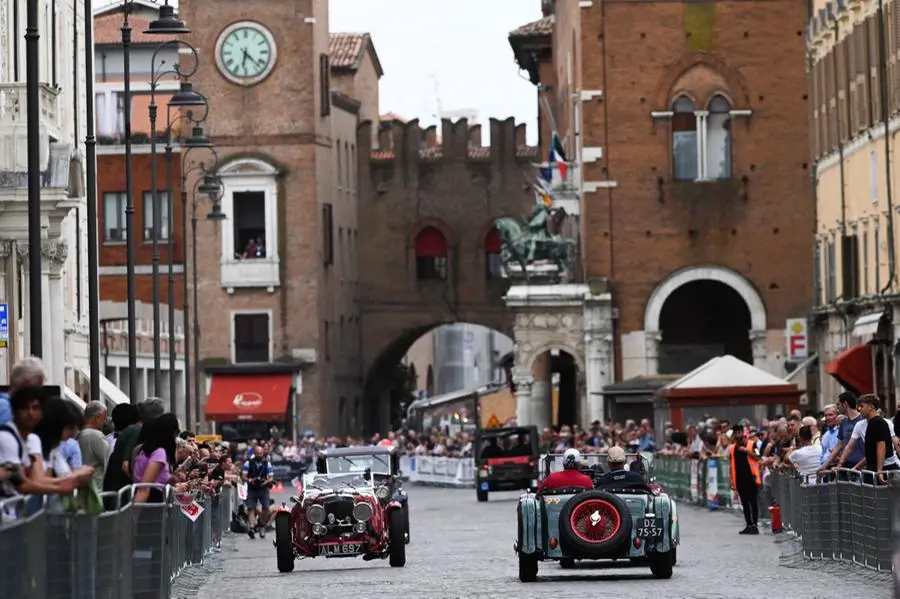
[(327, 235), (817, 274), (849, 267)]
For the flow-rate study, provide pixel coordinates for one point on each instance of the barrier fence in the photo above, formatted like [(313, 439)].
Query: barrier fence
[(130, 551), (843, 515)]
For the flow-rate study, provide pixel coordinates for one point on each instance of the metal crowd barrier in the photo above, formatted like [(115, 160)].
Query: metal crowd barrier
[(843, 515), (130, 551)]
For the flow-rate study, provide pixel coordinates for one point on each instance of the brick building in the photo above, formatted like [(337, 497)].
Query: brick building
[(111, 199), (279, 278), (688, 127)]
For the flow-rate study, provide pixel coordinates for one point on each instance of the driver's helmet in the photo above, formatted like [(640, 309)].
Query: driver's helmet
[(571, 459)]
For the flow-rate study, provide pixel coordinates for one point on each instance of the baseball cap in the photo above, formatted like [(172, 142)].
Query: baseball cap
[(616, 455)]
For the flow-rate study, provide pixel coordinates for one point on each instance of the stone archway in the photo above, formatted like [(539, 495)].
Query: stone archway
[(678, 279)]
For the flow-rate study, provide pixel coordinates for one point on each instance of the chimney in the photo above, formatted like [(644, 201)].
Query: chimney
[(385, 138), (431, 138), (475, 136), (520, 135)]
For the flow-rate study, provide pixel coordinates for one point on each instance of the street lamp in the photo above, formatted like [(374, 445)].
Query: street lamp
[(185, 97), (211, 186), (197, 140), (165, 24)]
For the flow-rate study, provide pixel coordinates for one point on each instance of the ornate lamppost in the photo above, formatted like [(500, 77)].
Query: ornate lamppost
[(186, 97), (167, 23)]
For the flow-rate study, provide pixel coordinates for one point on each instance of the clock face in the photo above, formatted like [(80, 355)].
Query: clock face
[(245, 53)]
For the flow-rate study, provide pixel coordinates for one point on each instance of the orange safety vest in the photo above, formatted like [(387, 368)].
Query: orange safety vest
[(753, 460)]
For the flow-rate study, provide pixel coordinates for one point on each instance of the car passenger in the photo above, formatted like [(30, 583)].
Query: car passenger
[(491, 450), (569, 476), (520, 449), (618, 476)]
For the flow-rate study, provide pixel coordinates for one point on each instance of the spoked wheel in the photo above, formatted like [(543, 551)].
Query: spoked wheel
[(284, 544)]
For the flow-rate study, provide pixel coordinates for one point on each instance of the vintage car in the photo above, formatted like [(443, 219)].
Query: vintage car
[(340, 515), (382, 462), (630, 524), (506, 459)]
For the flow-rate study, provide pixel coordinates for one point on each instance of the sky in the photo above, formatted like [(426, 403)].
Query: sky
[(446, 55), (443, 55)]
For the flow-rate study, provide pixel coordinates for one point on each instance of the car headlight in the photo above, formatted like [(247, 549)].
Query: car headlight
[(362, 511), (382, 493), (315, 514)]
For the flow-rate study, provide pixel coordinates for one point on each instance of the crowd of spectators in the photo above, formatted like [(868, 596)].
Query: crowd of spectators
[(51, 449)]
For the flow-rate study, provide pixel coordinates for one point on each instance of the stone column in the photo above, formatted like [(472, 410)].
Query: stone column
[(55, 254), (7, 289), (22, 268), (523, 400), (600, 372), (652, 339), (541, 392), (760, 351)]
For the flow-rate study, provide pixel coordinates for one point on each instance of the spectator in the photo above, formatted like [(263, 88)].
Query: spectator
[(118, 472), (62, 420), (847, 404), (156, 460), (878, 436), (745, 477), (807, 457), (830, 436), (27, 407), (94, 449), (26, 373), (813, 425), (123, 416)]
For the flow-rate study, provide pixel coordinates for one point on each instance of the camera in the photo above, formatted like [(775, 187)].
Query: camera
[(15, 475)]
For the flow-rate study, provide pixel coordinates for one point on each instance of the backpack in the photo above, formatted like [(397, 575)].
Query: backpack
[(6, 487)]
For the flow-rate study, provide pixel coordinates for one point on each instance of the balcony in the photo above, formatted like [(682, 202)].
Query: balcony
[(251, 273), (14, 125)]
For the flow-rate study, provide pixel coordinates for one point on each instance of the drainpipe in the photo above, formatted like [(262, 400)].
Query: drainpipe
[(885, 115)]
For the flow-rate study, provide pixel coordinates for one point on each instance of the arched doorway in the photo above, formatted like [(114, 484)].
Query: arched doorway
[(702, 320), (700, 312), (557, 390)]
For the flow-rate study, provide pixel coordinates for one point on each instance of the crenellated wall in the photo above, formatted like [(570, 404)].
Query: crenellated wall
[(446, 179)]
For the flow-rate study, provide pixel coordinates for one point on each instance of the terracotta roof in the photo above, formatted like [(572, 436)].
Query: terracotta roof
[(347, 51), (536, 28), (391, 116), (108, 30), (475, 152)]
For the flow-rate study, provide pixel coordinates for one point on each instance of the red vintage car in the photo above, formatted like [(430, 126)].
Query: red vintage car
[(340, 515)]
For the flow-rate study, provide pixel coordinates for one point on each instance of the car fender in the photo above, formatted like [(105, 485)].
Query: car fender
[(393, 505), (663, 507), (676, 525), (529, 516)]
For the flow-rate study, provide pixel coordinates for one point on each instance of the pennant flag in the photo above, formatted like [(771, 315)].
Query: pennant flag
[(558, 155), (542, 193)]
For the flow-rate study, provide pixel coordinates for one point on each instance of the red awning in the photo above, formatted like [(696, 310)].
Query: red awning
[(430, 243), (492, 243), (249, 397), (852, 368)]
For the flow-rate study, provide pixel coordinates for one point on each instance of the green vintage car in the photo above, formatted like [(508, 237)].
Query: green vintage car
[(632, 524)]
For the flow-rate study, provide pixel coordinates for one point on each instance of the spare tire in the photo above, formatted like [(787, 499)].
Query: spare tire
[(594, 524)]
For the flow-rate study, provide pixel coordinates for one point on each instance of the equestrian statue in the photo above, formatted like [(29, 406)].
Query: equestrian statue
[(526, 242)]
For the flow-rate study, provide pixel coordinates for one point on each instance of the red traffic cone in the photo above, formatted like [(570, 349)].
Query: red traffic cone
[(279, 488)]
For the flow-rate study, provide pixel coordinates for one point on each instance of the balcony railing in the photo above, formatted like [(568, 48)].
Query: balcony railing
[(250, 272), (14, 131)]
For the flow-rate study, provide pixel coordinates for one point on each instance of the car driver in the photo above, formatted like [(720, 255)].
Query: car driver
[(617, 474), (569, 476)]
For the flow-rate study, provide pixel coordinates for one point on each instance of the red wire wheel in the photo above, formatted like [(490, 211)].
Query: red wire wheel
[(595, 521)]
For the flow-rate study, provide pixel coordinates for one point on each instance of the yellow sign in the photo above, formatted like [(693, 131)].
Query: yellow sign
[(208, 439), (493, 422)]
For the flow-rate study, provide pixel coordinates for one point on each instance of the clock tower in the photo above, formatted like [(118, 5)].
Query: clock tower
[(266, 301)]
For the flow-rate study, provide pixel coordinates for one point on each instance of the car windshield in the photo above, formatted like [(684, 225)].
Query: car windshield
[(328, 482), (505, 443), (595, 464), (340, 464)]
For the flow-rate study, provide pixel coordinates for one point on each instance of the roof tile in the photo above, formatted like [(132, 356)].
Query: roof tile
[(535, 28), (475, 153), (347, 49)]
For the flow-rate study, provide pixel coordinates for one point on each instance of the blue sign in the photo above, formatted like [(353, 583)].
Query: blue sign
[(4, 325)]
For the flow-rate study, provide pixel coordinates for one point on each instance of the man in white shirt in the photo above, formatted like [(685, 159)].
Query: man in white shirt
[(806, 458), (859, 436)]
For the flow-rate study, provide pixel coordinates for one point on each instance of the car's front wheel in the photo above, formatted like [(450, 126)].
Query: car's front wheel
[(396, 539), (284, 543), (406, 521)]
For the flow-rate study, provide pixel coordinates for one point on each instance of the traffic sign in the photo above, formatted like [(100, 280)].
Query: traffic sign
[(797, 348), (4, 325), (493, 422)]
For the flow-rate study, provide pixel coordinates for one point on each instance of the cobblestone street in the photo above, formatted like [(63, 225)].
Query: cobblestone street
[(462, 549)]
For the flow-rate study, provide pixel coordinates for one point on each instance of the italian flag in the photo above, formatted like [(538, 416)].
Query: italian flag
[(558, 155)]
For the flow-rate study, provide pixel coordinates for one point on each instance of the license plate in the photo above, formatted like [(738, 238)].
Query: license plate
[(333, 549), (485, 486), (649, 528)]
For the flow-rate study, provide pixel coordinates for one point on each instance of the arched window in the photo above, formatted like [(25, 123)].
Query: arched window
[(431, 254), (684, 141), (718, 139), (492, 247)]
